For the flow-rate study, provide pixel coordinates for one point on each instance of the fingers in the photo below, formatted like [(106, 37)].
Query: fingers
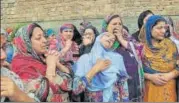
[(161, 82), (53, 52), (162, 78), (107, 62)]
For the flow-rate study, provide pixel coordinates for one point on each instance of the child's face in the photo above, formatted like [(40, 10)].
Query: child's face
[(51, 37)]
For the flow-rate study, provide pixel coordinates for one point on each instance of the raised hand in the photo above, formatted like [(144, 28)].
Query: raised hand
[(102, 64)]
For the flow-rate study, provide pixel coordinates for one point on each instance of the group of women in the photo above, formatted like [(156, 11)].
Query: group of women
[(92, 66)]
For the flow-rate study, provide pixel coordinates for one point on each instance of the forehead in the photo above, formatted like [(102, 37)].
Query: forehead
[(88, 30), (117, 19), (68, 29), (37, 31), (160, 23)]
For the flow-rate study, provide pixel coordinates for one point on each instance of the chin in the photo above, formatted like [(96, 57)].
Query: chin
[(161, 38)]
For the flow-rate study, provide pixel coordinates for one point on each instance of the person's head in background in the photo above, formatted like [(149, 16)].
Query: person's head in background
[(126, 28), (143, 17), (83, 25), (89, 33), (155, 30), (172, 28), (3, 47), (70, 32), (111, 23), (9, 30), (50, 34), (169, 26)]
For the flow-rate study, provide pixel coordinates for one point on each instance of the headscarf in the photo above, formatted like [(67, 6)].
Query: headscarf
[(105, 23), (149, 26), (161, 56), (49, 32), (22, 41), (107, 20), (103, 80), (27, 64), (76, 37)]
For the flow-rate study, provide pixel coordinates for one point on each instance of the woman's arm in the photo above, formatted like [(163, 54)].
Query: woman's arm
[(20, 96), (171, 75), (80, 83)]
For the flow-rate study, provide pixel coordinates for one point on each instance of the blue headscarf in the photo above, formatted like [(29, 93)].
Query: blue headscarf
[(103, 80), (149, 25), (49, 32)]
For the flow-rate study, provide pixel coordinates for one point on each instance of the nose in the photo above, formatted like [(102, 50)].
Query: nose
[(44, 40), (69, 33), (3, 55)]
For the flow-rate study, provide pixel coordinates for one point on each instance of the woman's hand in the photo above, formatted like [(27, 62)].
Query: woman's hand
[(8, 87), (169, 76), (157, 79), (102, 64), (67, 47), (52, 57), (68, 44), (87, 40), (99, 66), (118, 32), (12, 91), (51, 60)]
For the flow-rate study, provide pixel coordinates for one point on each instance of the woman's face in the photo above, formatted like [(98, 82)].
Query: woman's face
[(39, 42), (158, 31), (113, 24), (107, 40), (88, 37), (51, 37), (146, 18), (3, 49), (67, 34)]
